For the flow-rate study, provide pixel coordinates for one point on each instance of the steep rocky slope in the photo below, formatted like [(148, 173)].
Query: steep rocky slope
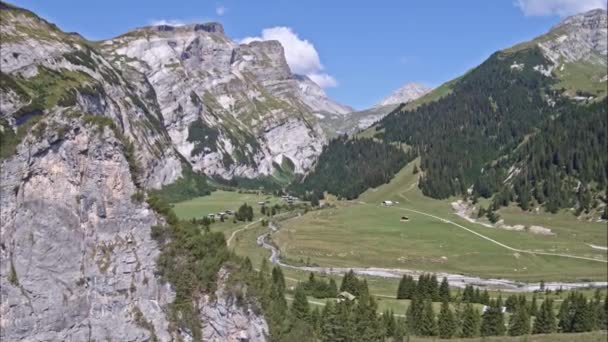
[(577, 48), (80, 140), (231, 109)]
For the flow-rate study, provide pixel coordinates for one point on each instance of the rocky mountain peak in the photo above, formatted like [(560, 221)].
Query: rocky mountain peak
[(581, 37), (408, 92), (593, 20)]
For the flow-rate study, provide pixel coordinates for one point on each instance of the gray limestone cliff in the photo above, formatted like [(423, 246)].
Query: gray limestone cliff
[(81, 139)]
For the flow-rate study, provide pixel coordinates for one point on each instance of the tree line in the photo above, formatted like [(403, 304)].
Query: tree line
[(358, 319)]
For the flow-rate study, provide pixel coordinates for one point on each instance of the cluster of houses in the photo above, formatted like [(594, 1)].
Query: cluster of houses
[(221, 214)]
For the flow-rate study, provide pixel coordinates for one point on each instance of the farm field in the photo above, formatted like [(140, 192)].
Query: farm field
[(363, 233), (218, 201)]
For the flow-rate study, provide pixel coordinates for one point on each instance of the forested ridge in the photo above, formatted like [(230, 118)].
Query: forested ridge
[(347, 167), (488, 113), (505, 131)]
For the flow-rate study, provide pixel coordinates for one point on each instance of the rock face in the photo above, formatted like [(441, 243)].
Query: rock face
[(582, 37), (226, 105), (77, 258), (576, 48), (80, 140), (226, 321), (408, 92)]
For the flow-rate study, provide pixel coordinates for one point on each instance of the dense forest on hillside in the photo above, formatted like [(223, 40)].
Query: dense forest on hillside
[(506, 131), (488, 113), (347, 167), (561, 165)]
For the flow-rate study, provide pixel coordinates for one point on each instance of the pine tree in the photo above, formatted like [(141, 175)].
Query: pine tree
[(402, 289), (434, 288), (470, 322), (333, 288), (428, 324), (446, 321), (599, 313), (389, 322), (400, 330), (315, 320), (519, 324), (485, 297), (350, 283), (300, 310), (492, 321), (277, 278), (414, 314), (605, 312), (533, 306), (545, 319), (444, 290), (368, 327)]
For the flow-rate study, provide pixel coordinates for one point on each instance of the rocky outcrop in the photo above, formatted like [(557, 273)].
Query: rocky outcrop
[(581, 37), (228, 321), (77, 258)]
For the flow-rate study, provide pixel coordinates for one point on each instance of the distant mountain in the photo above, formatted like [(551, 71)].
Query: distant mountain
[(527, 126), (354, 121), (315, 98), (408, 92)]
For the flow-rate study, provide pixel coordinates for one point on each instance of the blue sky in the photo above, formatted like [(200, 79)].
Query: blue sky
[(364, 49)]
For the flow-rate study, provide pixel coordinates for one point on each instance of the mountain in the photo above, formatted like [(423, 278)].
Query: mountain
[(527, 125), (359, 120), (85, 132), (230, 109), (407, 93), (354, 121)]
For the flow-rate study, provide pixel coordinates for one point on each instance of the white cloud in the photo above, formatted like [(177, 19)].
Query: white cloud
[(558, 7), (300, 54), (170, 22), (323, 80), (220, 10)]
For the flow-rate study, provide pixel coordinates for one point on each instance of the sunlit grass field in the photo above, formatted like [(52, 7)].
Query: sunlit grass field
[(364, 233)]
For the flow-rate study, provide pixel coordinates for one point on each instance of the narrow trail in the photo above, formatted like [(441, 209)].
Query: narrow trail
[(240, 230), (500, 243)]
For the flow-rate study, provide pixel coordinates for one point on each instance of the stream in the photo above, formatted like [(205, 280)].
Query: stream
[(456, 280)]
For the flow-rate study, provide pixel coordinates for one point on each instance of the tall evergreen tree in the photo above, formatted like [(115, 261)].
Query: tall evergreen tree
[(519, 323), (446, 321), (389, 322), (492, 320), (427, 324), (300, 310), (533, 306), (545, 322), (414, 315), (400, 330), (444, 290), (470, 322)]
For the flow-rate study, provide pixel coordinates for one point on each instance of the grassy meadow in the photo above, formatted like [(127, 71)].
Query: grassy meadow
[(363, 233)]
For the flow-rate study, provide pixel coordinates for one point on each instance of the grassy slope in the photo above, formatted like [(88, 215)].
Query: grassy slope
[(362, 233), (219, 201)]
